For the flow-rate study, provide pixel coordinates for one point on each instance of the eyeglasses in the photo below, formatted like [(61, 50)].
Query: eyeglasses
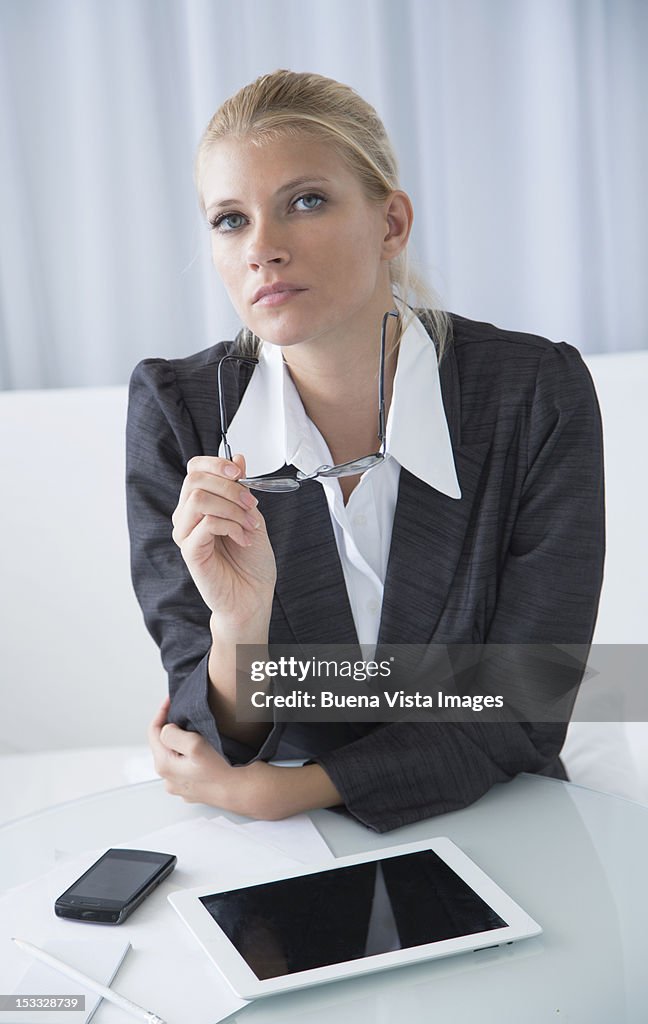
[(293, 483)]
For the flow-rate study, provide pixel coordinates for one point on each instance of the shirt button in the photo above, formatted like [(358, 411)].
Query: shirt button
[(372, 606), (360, 520)]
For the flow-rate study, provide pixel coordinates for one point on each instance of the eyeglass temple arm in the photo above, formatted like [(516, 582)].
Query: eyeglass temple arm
[(221, 399), (381, 381)]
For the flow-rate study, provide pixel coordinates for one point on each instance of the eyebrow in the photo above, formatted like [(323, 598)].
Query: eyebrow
[(288, 187)]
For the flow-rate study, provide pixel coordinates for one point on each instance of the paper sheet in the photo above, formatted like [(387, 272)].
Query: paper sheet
[(100, 961), (295, 836), (166, 970)]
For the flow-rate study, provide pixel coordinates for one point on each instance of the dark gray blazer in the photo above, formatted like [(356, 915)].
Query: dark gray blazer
[(518, 559)]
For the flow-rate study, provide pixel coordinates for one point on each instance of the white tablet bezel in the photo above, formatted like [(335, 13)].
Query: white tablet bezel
[(245, 983)]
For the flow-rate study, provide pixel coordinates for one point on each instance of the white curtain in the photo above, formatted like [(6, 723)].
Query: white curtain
[(521, 127)]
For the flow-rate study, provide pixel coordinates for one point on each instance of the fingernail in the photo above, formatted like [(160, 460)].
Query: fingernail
[(248, 500), (253, 521), (232, 471)]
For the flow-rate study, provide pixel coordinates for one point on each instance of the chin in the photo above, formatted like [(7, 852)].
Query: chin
[(283, 333), (281, 342)]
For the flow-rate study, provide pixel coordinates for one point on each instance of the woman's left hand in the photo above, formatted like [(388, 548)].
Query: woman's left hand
[(192, 769)]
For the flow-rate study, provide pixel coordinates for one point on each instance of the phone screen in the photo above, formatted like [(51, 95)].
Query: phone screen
[(114, 879)]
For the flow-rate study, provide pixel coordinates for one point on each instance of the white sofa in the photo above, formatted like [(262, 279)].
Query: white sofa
[(72, 635), (613, 756), (71, 632)]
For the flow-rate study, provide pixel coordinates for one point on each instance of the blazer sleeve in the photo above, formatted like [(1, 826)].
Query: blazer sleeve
[(160, 439), (548, 593)]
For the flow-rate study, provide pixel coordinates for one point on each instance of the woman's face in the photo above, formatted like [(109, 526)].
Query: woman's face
[(290, 213)]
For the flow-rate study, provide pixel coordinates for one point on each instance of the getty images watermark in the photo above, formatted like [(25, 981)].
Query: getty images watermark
[(303, 685), (442, 682)]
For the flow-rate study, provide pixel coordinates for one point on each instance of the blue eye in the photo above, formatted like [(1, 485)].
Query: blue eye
[(225, 219), (226, 223), (307, 201)]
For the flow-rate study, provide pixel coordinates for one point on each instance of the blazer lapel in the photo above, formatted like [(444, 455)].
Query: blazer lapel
[(311, 589), (427, 539), (429, 532)]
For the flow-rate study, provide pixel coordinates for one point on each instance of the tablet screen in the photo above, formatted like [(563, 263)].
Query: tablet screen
[(341, 914)]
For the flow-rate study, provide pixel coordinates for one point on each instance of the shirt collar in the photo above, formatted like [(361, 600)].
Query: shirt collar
[(417, 429), (268, 427)]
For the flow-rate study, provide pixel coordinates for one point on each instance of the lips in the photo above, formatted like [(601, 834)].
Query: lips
[(275, 289)]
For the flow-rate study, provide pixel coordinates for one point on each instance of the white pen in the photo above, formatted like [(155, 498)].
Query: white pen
[(86, 982)]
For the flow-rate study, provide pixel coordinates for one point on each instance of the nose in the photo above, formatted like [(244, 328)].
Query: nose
[(267, 245)]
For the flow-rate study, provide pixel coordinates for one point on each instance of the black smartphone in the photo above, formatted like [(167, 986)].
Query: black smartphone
[(114, 886)]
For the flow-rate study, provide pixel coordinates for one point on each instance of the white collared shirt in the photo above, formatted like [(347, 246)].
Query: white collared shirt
[(271, 429)]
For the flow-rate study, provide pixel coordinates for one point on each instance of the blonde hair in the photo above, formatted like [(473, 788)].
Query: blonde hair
[(289, 103)]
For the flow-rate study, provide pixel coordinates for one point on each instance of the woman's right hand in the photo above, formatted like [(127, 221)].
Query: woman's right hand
[(224, 543)]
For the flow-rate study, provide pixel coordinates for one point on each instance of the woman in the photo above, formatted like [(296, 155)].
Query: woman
[(483, 523)]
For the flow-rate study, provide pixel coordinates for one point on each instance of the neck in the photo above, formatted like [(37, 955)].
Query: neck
[(338, 384)]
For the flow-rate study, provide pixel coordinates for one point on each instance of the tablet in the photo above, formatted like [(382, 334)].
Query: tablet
[(367, 912)]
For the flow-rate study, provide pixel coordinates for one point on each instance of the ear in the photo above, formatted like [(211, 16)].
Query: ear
[(399, 217)]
